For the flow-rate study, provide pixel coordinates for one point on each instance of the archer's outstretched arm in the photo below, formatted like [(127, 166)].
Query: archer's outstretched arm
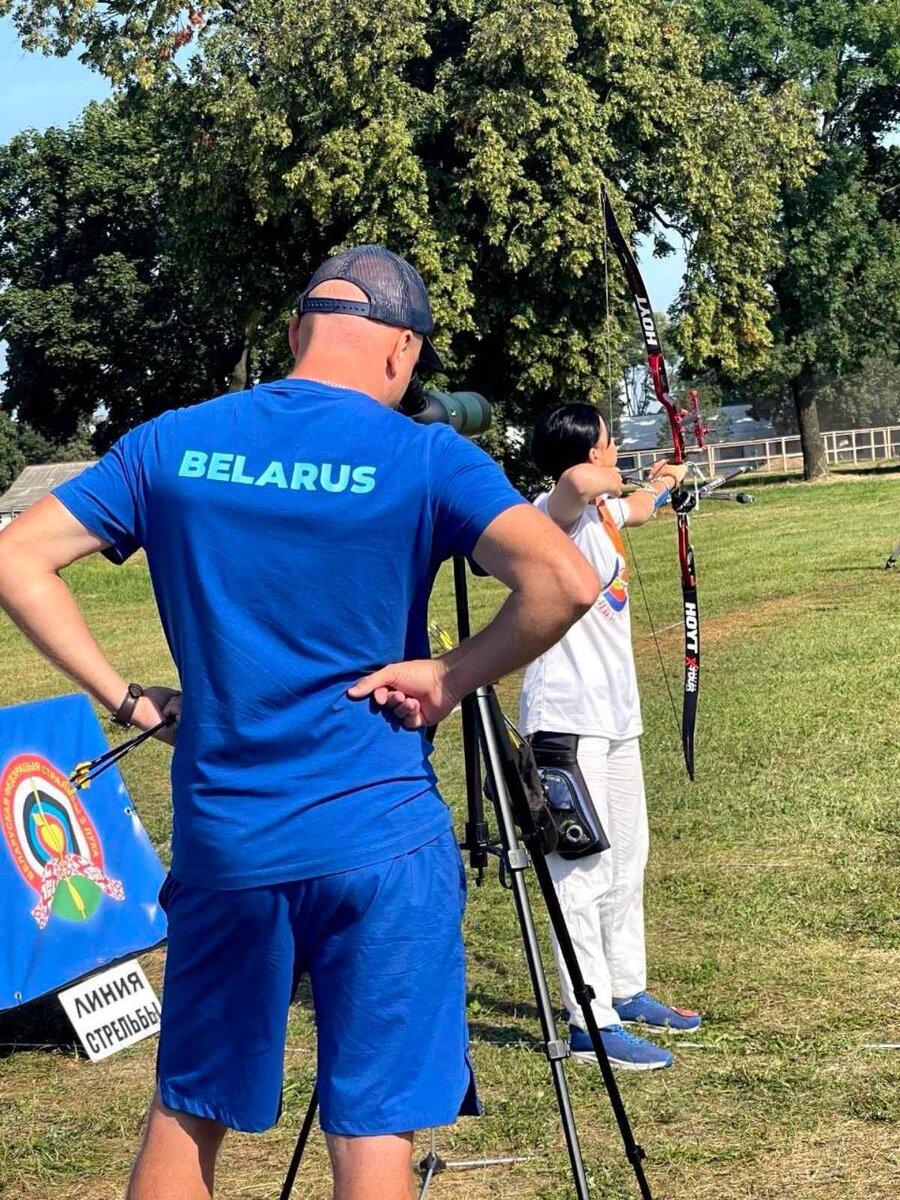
[(664, 477)]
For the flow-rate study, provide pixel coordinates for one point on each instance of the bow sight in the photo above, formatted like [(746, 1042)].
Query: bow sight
[(686, 499)]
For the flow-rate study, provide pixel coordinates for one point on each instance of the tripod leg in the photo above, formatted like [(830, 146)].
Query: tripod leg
[(429, 1167), (517, 861), (476, 834), (493, 723), (427, 1171), (301, 1145), (584, 993)]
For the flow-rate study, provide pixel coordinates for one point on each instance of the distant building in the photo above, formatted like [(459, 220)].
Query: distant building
[(33, 484), (730, 423)]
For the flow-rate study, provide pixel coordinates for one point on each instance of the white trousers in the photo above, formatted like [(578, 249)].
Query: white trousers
[(602, 895)]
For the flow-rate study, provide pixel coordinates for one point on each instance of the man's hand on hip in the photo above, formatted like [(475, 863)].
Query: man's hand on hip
[(416, 692), (552, 585)]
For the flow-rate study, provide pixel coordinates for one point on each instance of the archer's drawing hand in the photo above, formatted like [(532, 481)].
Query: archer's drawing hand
[(154, 706), (601, 481), (417, 692), (671, 473)]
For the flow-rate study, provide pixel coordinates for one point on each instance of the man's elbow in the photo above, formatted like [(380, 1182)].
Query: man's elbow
[(7, 563), (14, 563), (580, 587)]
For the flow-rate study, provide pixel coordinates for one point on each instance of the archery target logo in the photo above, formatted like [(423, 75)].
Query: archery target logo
[(52, 841)]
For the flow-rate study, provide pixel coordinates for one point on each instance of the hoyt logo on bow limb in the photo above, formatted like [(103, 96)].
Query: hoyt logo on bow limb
[(52, 841), (645, 313), (691, 648)]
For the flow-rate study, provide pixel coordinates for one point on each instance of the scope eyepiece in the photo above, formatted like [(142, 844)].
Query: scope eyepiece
[(467, 412)]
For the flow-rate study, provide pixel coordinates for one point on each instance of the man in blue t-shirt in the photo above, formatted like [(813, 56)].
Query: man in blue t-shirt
[(292, 533)]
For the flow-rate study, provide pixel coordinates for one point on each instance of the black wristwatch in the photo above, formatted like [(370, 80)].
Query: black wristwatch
[(123, 714)]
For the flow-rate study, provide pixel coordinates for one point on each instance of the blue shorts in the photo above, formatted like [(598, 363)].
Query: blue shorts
[(383, 948)]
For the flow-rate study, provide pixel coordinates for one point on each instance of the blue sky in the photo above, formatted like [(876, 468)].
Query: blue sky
[(37, 91)]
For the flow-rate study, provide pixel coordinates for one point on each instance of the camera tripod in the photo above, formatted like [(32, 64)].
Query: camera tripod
[(520, 845)]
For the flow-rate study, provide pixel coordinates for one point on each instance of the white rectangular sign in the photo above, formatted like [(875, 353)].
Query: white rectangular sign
[(112, 1010)]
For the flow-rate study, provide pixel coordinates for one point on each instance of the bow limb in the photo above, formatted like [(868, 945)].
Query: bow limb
[(676, 416)]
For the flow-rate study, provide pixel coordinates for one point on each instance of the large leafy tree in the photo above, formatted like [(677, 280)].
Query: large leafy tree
[(12, 460), (99, 312), (473, 136), (836, 284)]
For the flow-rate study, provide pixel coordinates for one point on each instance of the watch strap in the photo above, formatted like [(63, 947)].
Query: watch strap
[(123, 714)]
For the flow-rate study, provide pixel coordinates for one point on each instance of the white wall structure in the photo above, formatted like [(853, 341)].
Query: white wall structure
[(33, 484)]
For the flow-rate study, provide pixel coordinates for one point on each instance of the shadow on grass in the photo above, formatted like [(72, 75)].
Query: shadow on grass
[(508, 1008), (878, 569), (39, 1025), (474, 955), (505, 1035)]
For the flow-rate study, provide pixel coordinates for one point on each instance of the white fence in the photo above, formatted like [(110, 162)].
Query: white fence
[(779, 455)]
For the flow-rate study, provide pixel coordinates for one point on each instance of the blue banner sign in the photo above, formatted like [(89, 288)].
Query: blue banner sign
[(79, 878)]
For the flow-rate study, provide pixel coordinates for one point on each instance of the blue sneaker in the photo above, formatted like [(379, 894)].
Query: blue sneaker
[(623, 1049), (643, 1009)]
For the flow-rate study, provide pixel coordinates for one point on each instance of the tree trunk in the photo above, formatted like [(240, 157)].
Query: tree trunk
[(815, 460), (240, 372)]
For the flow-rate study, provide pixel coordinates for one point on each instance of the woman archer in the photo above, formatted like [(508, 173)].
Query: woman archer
[(582, 695)]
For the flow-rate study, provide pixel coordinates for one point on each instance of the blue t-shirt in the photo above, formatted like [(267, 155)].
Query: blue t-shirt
[(293, 533)]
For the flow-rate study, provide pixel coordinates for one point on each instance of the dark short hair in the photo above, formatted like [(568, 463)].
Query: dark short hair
[(564, 437)]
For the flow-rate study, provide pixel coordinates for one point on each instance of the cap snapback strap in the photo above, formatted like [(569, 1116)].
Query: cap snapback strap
[(351, 308)]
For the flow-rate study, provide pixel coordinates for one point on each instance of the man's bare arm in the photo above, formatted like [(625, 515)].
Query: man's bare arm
[(552, 586), (33, 550)]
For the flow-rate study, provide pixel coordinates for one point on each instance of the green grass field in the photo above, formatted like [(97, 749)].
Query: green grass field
[(773, 901)]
